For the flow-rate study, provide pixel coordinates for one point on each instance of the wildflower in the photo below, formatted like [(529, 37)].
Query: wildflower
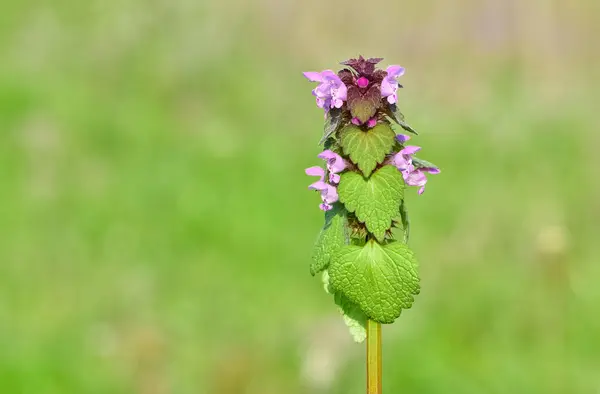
[(331, 92), (389, 85), (328, 192), (417, 177), (403, 160), (335, 165)]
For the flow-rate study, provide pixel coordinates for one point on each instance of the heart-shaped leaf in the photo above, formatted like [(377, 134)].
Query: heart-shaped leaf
[(381, 279), (375, 200), (363, 105), (367, 148)]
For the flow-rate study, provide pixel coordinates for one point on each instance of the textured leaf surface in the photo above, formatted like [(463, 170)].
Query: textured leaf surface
[(333, 235), (398, 117), (363, 106), (332, 123), (375, 200), (354, 318), (381, 279), (367, 148)]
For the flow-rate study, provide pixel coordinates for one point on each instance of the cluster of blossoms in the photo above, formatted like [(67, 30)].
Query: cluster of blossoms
[(362, 248), (364, 95), (327, 186), (403, 161)]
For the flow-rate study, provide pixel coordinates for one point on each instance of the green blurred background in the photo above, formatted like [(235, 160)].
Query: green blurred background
[(156, 227)]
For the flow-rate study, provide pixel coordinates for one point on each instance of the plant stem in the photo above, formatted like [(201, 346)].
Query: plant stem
[(373, 357)]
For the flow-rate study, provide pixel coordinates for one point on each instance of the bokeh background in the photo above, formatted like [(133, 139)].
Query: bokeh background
[(156, 229)]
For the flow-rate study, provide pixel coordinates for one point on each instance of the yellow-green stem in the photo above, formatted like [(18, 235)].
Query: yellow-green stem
[(373, 357)]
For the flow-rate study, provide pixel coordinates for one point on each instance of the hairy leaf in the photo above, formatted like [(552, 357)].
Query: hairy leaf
[(354, 318), (375, 200), (333, 235), (367, 148), (363, 106), (394, 112), (381, 279), (420, 163), (332, 123)]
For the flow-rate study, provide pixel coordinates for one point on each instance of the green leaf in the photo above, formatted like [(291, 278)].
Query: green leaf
[(375, 200), (394, 112), (405, 222), (381, 279), (367, 148), (363, 105), (326, 282), (332, 123), (420, 163), (354, 317), (333, 235)]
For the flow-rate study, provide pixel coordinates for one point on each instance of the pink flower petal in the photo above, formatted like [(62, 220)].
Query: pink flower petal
[(318, 185), (387, 89), (313, 76), (416, 178), (410, 150), (327, 155), (329, 195), (315, 171), (401, 162), (395, 71)]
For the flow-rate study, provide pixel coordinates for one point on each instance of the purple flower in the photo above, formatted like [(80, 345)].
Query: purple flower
[(335, 165), (403, 161), (328, 192), (417, 177), (402, 138), (389, 85), (331, 92)]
